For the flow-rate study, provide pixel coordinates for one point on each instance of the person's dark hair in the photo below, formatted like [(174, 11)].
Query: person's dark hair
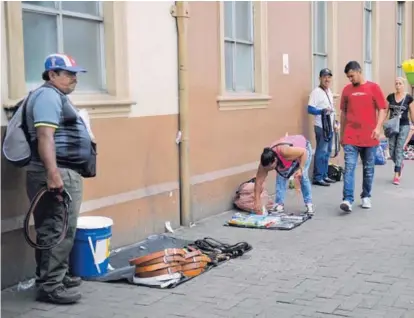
[(268, 157), (352, 66), (46, 77)]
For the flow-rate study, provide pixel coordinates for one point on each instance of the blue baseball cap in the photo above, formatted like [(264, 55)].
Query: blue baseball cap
[(62, 62)]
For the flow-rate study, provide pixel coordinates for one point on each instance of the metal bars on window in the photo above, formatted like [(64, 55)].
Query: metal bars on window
[(74, 21), (239, 46), (319, 37), (368, 39)]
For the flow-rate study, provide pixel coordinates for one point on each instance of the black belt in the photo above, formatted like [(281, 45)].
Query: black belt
[(326, 125), (65, 199), (337, 145)]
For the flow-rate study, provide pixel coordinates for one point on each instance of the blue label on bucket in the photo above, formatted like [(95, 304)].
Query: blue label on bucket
[(100, 253), (90, 253)]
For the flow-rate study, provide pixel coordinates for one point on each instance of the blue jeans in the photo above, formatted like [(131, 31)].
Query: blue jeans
[(368, 162), (322, 155), (281, 183)]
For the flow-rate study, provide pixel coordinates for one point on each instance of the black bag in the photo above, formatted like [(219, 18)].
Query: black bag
[(335, 172)]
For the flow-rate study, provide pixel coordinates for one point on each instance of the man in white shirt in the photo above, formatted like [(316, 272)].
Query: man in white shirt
[(320, 105)]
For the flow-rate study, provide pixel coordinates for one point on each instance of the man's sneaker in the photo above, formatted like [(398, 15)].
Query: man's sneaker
[(72, 281), (346, 206), (329, 180), (279, 208), (309, 209), (61, 295), (366, 203)]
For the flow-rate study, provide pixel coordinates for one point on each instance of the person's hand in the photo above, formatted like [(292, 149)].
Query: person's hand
[(54, 181), (298, 174), (376, 133), (257, 208), (337, 126)]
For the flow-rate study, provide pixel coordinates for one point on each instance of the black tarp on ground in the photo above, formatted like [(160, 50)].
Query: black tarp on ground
[(119, 258)]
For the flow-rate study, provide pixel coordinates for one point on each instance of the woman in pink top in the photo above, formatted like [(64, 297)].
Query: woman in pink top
[(289, 156)]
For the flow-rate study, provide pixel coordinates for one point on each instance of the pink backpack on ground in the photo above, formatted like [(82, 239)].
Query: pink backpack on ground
[(244, 198)]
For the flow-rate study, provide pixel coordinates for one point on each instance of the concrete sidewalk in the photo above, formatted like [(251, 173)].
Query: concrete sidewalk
[(357, 265)]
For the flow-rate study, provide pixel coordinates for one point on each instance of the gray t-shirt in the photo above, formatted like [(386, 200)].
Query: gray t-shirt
[(47, 107)]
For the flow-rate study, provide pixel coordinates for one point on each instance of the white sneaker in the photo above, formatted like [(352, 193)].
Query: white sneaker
[(310, 209), (366, 203), (346, 206), (279, 208)]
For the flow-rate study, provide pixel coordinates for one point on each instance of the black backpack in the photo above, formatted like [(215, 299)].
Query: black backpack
[(335, 172)]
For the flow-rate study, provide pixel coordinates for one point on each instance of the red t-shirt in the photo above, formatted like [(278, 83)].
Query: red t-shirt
[(360, 104)]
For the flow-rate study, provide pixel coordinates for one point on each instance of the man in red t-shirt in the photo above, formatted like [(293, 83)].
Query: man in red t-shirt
[(363, 111)]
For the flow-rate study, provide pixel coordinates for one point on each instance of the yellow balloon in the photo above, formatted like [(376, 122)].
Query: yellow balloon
[(408, 66)]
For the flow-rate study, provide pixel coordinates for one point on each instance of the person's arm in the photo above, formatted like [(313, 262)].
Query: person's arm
[(312, 109), (261, 176), (382, 106), (46, 147), (410, 135), (47, 110), (411, 132), (343, 108), (388, 106)]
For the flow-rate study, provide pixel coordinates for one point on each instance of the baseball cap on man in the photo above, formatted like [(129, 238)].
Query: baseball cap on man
[(325, 72), (62, 62)]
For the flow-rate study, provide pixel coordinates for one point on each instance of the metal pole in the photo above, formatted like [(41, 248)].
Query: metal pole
[(181, 13)]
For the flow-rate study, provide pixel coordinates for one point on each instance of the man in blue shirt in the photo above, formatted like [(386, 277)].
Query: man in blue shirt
[(50, 119)]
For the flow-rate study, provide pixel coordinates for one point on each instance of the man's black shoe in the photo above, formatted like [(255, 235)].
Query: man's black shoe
[(60, 296), (72, 281), (321, 183), (329, 180)]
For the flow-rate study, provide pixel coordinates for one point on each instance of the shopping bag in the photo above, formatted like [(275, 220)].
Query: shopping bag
[(380, 158)]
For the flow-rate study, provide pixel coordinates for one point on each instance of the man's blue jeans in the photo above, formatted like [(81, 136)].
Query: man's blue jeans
[(306, 187), (322, 155), (368, 162)]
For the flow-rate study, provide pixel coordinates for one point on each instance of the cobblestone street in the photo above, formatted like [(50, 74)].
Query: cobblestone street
[(356, 265)]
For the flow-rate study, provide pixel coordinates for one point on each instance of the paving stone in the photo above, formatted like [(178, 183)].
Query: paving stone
[(357, 266), (409, 314), (350, 303)]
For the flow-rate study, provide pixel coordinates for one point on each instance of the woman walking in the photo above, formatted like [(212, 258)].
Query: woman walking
[(400, 104)]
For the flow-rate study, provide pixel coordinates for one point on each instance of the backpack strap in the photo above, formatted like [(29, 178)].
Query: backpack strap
[(24, 126)]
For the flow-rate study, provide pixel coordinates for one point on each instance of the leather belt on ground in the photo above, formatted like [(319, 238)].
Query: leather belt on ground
[(167, 252), (170, 261)]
